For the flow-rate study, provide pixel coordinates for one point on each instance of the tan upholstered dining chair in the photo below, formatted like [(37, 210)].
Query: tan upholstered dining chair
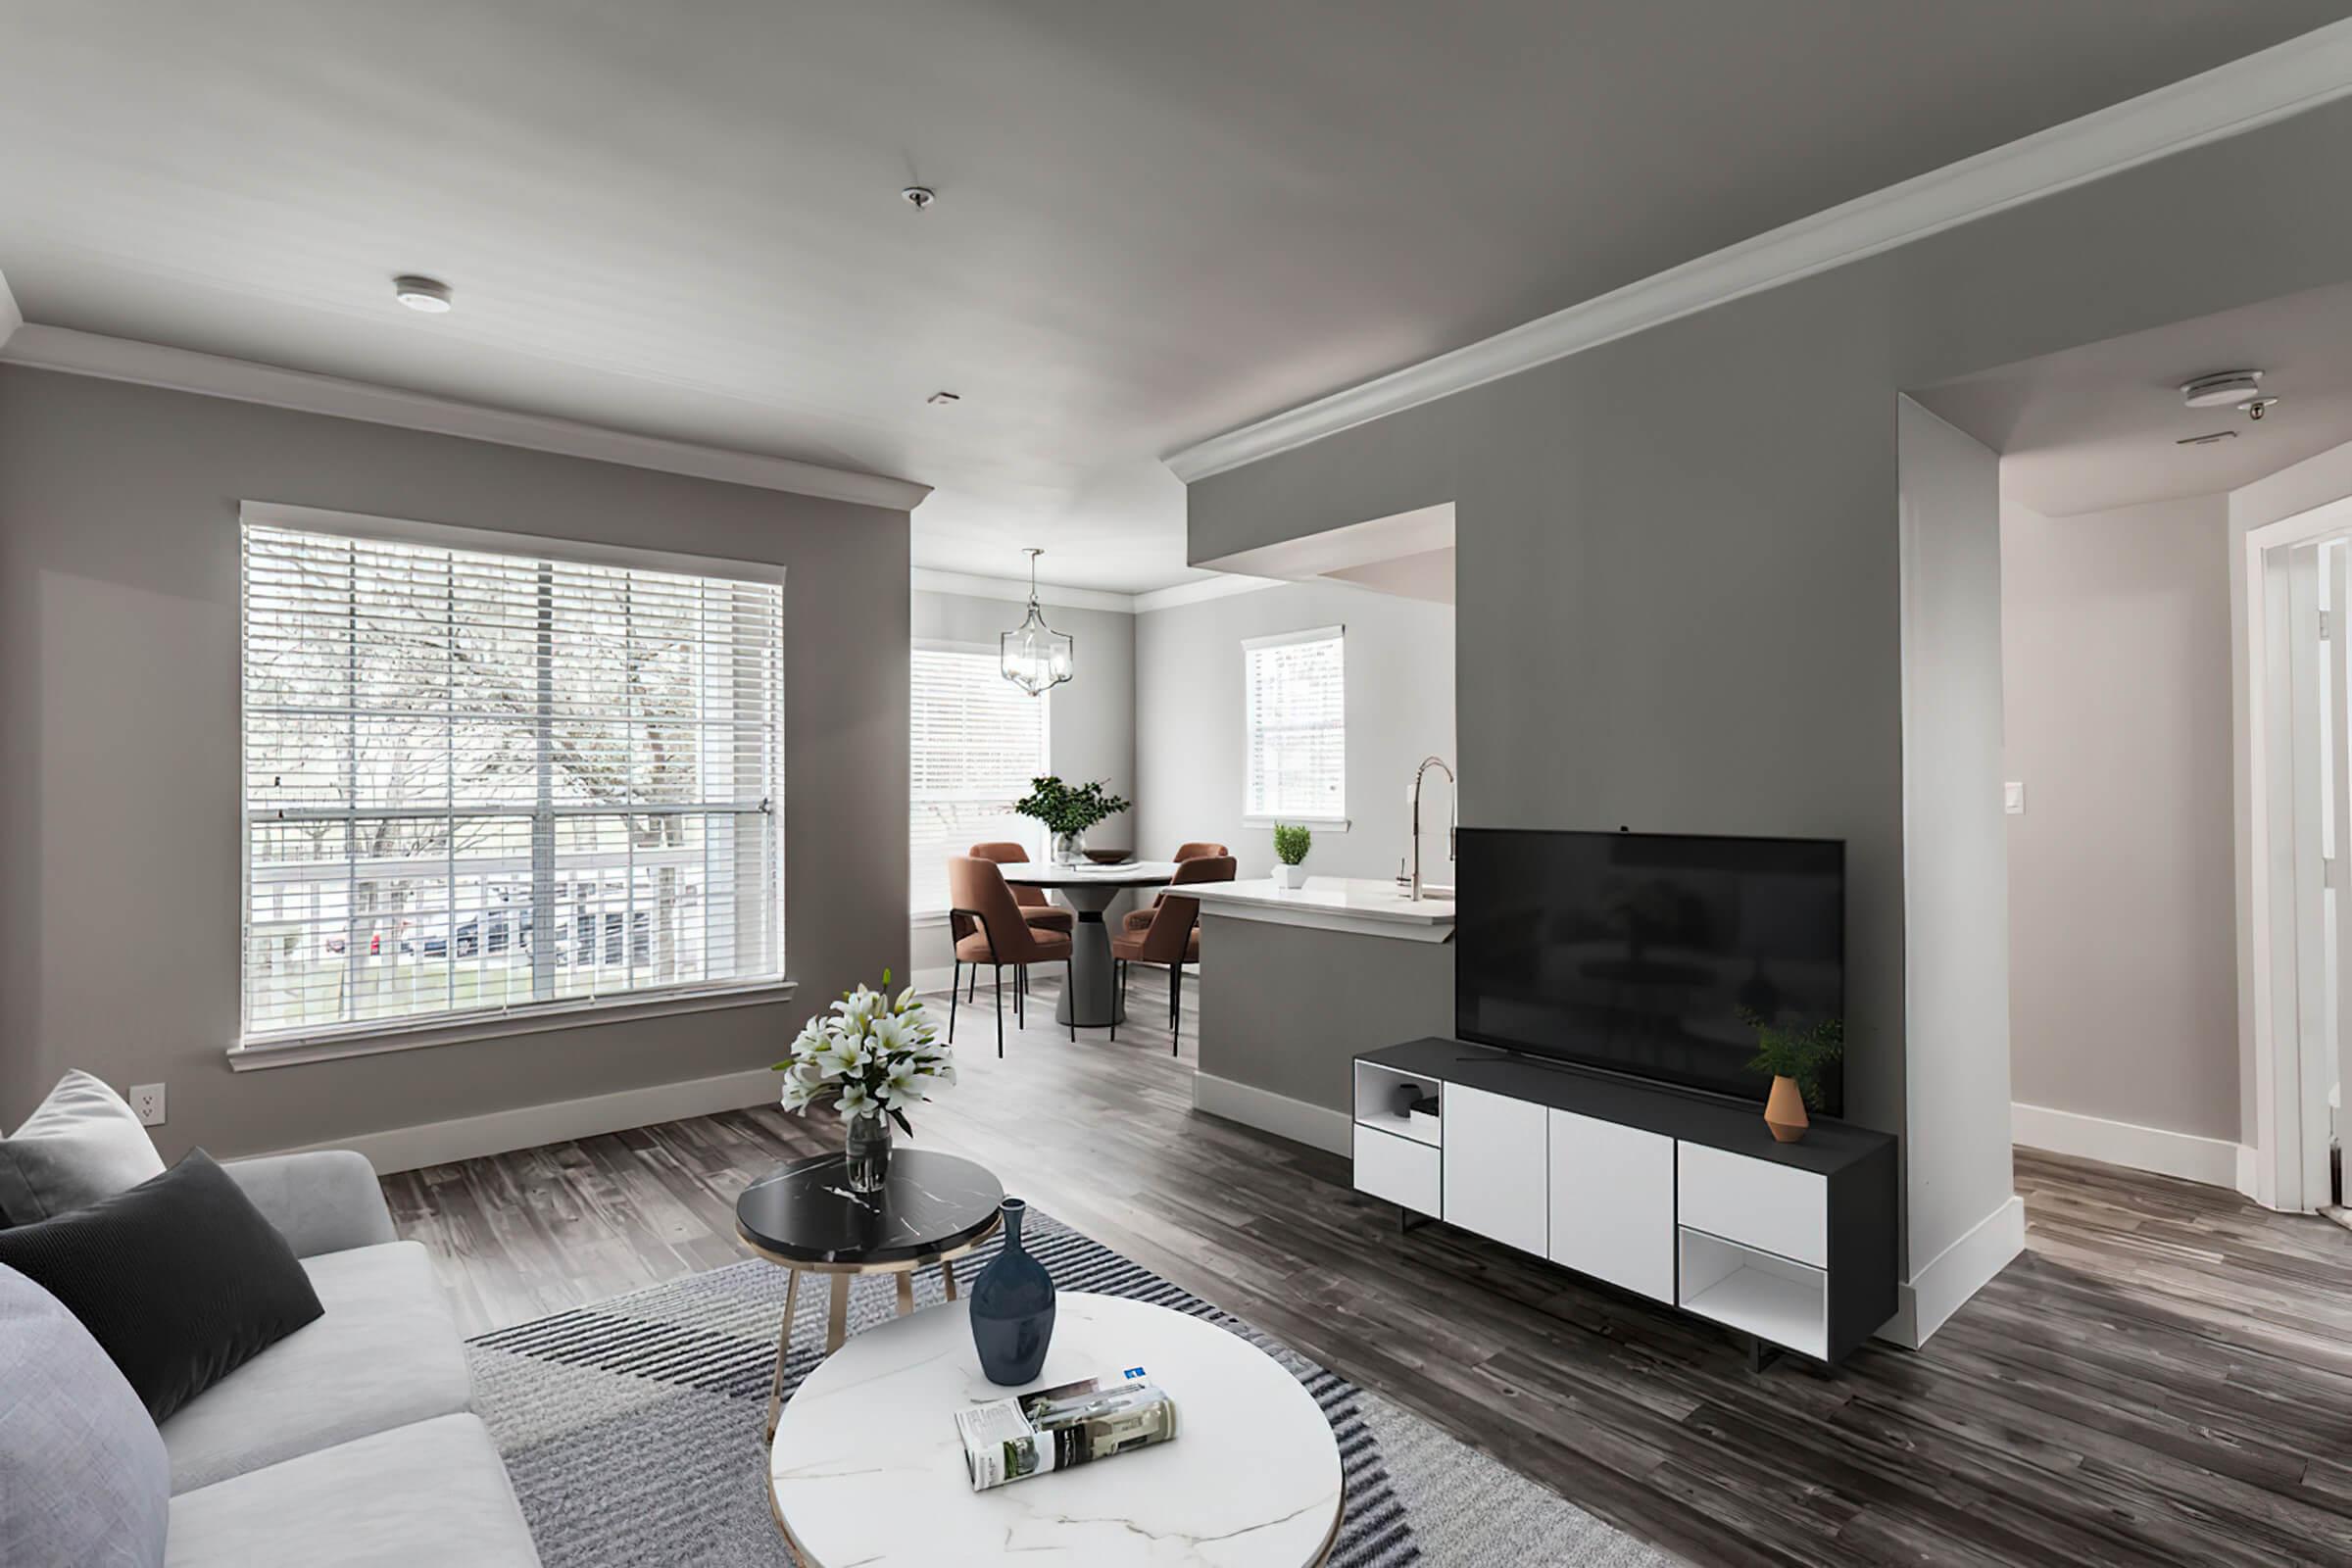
[(1172, 937), (1000, 935), (1141, 919), (1036, 909)]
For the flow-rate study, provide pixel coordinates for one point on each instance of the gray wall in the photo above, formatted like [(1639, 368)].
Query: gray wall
[(1089, 724), (1678, 571), (119, 681), (1955, 877), (1189, 744), (2122, 957), (1286, 1008)]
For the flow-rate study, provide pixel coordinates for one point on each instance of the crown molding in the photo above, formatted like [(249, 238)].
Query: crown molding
[(2242, 95), (115, 359), (1017, 592), (1195, 593), (10, 316)]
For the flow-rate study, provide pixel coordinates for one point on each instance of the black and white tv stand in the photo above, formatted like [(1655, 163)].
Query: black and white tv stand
[(1681, 1196)]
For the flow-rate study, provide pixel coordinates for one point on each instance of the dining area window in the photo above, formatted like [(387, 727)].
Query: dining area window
[(1295, 718), (976, 742)]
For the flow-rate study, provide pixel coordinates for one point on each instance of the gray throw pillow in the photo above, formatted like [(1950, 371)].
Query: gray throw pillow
[(81, 1144), (83, 1479)]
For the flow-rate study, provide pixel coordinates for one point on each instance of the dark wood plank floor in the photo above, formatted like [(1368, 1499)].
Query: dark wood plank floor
[(2165, 1377)]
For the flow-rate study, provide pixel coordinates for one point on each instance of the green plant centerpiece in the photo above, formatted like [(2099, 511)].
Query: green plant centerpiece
[(1796, 1054), (871, 1055), (1291, 844), (1068, 810)]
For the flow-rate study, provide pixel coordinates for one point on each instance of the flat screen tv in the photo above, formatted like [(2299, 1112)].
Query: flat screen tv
[(1638, 953)]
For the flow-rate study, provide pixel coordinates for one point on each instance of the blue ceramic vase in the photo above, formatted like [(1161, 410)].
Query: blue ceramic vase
[(1012, 1307)]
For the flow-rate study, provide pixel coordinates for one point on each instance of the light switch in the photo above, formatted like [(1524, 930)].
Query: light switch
[(2013, 798)]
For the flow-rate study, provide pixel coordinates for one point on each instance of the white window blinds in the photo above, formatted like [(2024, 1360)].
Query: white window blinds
[(1295, 695), (977, 742), (478, 782)]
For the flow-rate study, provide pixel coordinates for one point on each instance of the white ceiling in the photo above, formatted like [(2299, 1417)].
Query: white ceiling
[(1154, 222), (2098, 427)]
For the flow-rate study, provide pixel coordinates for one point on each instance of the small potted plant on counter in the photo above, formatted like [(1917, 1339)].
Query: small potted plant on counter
[(1794, 1055), (1068, 812), (1291, 844)]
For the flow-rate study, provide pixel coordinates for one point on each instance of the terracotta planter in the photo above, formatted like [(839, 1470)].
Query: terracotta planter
[(1784, 1111)]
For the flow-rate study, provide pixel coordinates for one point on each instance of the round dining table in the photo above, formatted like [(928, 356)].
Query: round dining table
[(1089, 1000)]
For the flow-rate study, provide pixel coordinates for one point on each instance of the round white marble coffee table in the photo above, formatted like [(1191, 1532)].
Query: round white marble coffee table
[(867, 1466)]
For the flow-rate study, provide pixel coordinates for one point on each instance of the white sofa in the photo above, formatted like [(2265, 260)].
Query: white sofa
[(352, 1440)]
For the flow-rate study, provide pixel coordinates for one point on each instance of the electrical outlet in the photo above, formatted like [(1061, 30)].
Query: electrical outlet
[(148, 1100)]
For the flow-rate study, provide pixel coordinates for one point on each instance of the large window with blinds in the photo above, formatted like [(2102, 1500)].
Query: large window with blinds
[(485, 773), (1294, 710), (977, 742)]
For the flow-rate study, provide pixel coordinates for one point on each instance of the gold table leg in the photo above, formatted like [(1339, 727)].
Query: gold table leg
[(905, 1291), (775, 1392), (837, 1319), (947, 1272)]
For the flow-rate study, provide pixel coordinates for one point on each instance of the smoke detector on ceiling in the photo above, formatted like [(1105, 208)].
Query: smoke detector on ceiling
[(2226, 389), (419, 293)]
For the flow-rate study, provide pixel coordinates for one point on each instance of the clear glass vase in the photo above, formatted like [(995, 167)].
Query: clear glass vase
[(865, 1152), (1069, 848)]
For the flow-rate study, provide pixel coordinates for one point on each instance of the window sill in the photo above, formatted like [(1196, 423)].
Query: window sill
[(418, 1036), (1320, 824)]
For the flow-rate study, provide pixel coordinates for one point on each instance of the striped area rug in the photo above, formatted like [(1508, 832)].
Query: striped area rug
[(632, 1428)]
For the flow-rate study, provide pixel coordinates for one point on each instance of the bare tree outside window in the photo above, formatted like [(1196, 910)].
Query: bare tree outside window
[(483, 781)]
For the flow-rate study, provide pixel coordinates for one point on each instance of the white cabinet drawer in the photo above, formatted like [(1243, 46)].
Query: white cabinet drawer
[(1775, 1208), (1612, 1204), (1497, 1177), (1397, 1169)]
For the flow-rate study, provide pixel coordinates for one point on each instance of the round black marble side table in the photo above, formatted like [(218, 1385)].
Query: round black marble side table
[(803, 1218)]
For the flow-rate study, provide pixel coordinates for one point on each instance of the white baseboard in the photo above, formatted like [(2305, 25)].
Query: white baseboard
[(498, 1132), (2215, 1161), (2247, 1179), (930, 980), (1316, 1126), (1935, 1291)]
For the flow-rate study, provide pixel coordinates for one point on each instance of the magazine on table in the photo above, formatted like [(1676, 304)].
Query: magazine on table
[(1058, 1427)]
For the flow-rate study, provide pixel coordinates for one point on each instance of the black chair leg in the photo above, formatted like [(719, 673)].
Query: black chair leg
[(954, 986), (1069, 992), (1020, 995), (1118, 993), (975, 984), (1175, 1005), (1000, 1005)]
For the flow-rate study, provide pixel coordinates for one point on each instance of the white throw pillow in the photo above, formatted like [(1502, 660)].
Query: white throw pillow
[(83, 1479), (81, 1144)]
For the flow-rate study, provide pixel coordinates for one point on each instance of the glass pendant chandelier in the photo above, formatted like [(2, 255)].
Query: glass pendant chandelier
[(1034, 656)]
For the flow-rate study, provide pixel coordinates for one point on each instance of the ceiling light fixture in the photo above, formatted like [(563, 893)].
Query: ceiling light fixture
[(2209, 438), (1034, 656), (419, 293), (943, 398), (2225, 389), (919, 197)]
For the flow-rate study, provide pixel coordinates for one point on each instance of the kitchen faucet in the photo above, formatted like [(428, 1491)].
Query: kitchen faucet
[(1453, 821)]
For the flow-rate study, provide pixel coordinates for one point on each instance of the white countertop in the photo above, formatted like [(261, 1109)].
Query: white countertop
[(1330, 904)]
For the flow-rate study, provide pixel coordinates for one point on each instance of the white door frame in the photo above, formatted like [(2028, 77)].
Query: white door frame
[(2286, 976)]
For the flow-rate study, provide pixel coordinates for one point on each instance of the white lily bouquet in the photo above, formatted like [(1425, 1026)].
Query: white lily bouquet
[(873, 1055)]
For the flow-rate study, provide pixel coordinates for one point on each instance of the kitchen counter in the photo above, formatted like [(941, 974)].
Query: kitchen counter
[(1330, 904), (1295, 983)]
